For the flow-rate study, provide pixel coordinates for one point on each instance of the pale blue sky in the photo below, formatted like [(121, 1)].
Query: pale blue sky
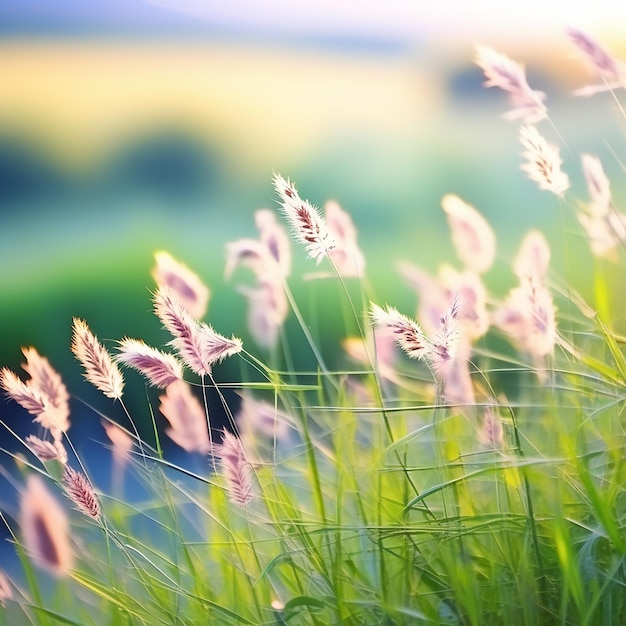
[(391, 21)]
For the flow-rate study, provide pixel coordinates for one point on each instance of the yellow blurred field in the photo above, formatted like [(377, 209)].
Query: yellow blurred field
[(80, 98)]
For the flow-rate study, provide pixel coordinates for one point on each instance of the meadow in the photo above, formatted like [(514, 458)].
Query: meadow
[(461, 463)]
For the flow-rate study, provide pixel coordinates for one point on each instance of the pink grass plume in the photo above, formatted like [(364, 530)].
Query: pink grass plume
[(611, 71), (472, 235), (45, 528), (197, 344), (510, 76), (186, 417), (121, 441), (6, 592), (80, 491), (406, 332), (307, 225), (543, 164), (192, 293), (236, 470), (160, 368), (47, 450), (44, 395)]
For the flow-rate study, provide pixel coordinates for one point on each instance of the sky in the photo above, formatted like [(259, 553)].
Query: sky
[(392, 21)]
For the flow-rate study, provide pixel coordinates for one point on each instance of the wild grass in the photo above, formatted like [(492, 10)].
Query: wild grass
[(435, 478)]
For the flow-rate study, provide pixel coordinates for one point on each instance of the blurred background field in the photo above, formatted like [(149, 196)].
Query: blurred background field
[(131, 127)]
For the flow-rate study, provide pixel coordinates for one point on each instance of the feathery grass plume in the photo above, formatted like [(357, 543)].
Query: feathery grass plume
[(197, 344), (236, 470), (598, 186), (184, 328), (80, 491), (544, 162), (160, 368), (455, 375), (510, 76), (441, 351), (433, 297), (216, 347), (6, 593), (307, 225), (533, 258), (528, 314), (605, 227), (611, 70), (491, 432), (380, 345), (471, 291), (44, 527), (269, 259), (528, 317), (446, 341), (28, 398), (267, 310), (191, 292), (406, 332), (604, 234), (188, 423), (472, 235), (257, 418), (253, 254), (122, 443), (49, 382), (44, 395), (100, 370), (275, 239), (436, 296), (46, 450), (346, 255)]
